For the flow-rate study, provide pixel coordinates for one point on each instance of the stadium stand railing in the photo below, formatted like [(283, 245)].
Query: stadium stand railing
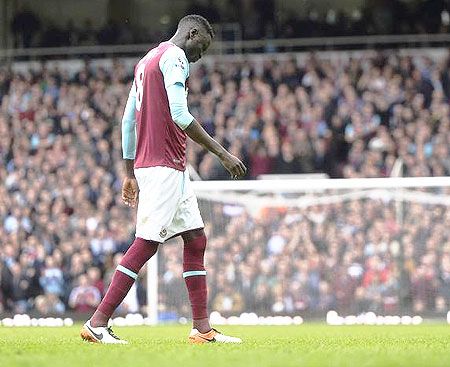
[(238, 46)]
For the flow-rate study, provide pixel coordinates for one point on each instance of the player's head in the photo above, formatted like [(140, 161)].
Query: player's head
[(197, 33)]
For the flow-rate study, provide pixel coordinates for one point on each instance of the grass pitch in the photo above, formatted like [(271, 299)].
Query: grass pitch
[(264, 346)]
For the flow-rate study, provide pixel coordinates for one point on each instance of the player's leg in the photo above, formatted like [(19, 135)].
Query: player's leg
[(159, 195), (96, 329), (123, 279), (194, 274), (188, 222)]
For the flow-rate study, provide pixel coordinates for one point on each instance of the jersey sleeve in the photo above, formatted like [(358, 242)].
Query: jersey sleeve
[(175, 69), (174, 66), (178, 106), (129, 126)]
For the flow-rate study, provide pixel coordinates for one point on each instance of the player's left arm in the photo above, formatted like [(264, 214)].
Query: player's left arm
[(182, 117), (231, 163), (175, 69), (130, 189)]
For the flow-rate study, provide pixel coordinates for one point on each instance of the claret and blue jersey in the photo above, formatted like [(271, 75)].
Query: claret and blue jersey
[(156, 112)]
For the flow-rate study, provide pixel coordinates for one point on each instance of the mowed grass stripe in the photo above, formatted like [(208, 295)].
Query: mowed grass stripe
[(305, 345)]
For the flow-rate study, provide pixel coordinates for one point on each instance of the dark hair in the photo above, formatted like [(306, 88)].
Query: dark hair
[(198, 20)]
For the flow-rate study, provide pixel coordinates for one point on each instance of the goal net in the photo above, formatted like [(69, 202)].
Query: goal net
[(305, 247)]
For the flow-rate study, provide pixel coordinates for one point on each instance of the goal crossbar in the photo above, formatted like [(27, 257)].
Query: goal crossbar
[(309, 185)]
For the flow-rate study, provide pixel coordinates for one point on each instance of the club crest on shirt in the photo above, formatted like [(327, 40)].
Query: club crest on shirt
[(163, 233)]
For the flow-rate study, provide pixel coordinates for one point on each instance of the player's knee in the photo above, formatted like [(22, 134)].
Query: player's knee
[(140, 251), (190, 236), (194, 251)]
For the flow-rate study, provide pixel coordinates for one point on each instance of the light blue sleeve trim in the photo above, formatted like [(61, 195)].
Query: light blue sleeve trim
[(129, 126), (193, 273), (126, 271), (174, 66), (178, 105)]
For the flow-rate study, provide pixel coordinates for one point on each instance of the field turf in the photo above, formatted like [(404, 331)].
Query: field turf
[(305, 345)]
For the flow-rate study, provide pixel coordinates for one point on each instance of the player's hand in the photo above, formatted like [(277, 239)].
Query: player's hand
[(130, 192), (233, 165)]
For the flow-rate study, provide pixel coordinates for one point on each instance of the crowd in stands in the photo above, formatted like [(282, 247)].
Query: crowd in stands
[(64, 228), (351, 257), (257, 19)]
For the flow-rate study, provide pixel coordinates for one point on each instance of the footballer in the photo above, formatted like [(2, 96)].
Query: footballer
[(155, 126)]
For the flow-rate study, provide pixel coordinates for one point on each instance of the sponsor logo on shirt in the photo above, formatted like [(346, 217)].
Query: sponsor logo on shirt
[(180, 63)]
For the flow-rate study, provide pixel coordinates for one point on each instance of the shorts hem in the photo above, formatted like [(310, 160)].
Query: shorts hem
[(194, 228), (149, 238)]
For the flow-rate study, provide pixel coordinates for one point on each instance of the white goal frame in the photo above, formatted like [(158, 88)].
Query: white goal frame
[(246, 192)]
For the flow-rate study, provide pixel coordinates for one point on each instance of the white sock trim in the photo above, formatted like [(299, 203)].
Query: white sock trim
[(126, 271), (193, 273)]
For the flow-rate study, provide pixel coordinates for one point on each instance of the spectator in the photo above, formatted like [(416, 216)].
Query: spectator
[(228, 301), (95, 279), (84, 298), (49, 305), (51, 279), (24, 26)]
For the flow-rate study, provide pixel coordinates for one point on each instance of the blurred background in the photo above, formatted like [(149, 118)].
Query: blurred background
[(49, 23), (326, 89)]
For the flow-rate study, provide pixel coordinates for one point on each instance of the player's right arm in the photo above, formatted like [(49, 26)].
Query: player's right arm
[(175, 69), (129, 187)]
